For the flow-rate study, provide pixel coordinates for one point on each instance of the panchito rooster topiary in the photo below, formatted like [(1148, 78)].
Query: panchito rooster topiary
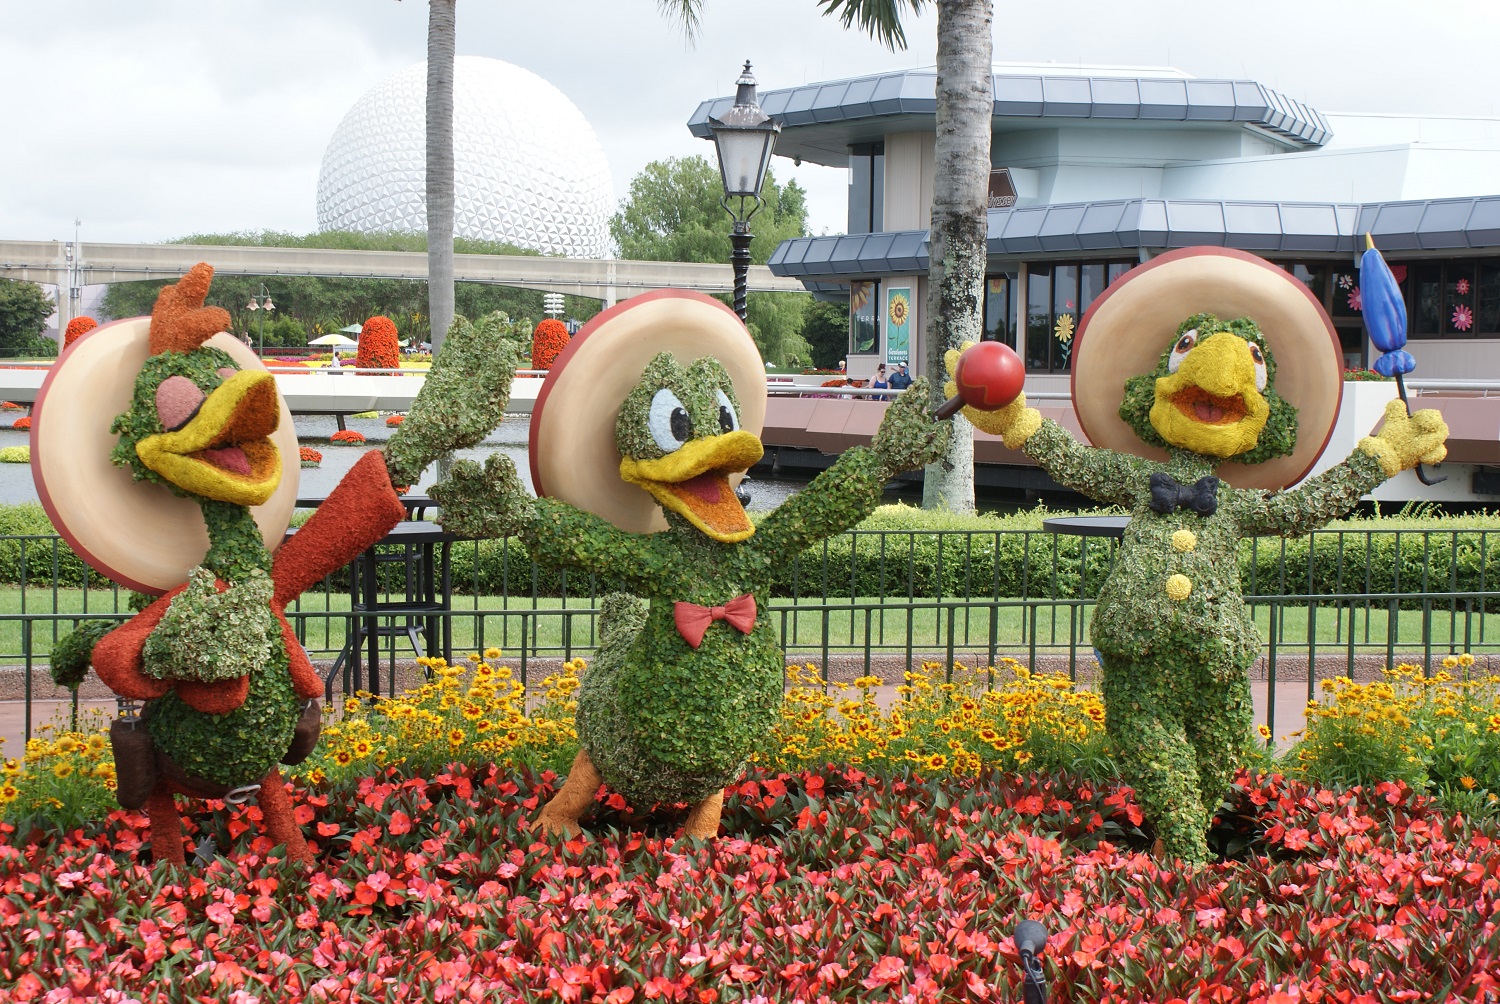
[(229, 691)]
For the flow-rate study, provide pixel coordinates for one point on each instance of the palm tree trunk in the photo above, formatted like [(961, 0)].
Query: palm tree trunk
[(956, 243), (442, 31)]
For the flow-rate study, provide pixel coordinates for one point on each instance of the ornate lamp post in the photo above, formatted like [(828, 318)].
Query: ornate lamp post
[(743, 139), (261, 301)]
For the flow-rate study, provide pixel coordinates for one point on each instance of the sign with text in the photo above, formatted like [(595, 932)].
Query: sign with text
[(1002, 190), (898, 324)]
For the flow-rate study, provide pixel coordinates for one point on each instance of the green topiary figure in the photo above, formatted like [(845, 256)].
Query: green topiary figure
[(689, 676), (1174, 636), (379, 348)]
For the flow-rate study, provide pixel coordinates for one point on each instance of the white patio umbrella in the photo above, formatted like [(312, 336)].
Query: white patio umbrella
[(334, 339)]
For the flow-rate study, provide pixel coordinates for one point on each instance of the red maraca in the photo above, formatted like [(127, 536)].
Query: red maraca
[(989, 376)]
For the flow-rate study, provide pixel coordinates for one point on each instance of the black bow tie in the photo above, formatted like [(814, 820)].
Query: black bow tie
[(1167, 495)]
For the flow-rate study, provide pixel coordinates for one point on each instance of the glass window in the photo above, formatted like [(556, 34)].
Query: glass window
[(1458, 299), (1039, 320), (1119, 268), (1427, 301), (866, 188), (864, 329), (999, 309), (1487, 312), (1347, 300), (1064, 315), (1092, 279)]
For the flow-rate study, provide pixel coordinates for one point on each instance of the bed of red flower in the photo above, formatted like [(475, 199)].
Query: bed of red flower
[(832, 886)]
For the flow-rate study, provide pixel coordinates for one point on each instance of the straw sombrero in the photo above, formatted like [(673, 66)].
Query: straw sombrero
[(137, 533), (572, 442), (1128, 328)]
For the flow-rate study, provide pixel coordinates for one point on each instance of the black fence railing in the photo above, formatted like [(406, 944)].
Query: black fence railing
[(1338, 602)]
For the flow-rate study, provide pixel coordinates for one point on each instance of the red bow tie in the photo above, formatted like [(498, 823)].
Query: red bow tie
[(693, 620)]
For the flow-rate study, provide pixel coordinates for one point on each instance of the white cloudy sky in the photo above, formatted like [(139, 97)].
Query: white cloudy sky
[(151, 119)]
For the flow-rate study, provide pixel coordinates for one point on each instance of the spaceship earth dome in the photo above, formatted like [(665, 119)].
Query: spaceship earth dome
[(528, 169)]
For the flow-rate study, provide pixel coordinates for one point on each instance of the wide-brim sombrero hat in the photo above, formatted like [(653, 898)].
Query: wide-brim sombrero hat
[(135, 532), (1128, 328), (572, 442)]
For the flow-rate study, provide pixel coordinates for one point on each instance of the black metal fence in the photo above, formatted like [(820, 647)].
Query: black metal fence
[(873, 602)]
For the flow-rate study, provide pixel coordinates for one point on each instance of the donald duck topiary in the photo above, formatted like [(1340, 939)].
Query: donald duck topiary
[(1233, 385), (645, 422)]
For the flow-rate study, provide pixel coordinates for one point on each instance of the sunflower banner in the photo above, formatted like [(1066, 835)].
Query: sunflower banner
[(898, 324)]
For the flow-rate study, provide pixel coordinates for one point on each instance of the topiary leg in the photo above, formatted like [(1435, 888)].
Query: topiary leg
[(703, 821), (166, 827), (562, 813), (1217, 730), (280, 820), (1146, 729)]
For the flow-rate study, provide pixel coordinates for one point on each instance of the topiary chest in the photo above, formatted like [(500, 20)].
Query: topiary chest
[(1174, 590), (724, 692)]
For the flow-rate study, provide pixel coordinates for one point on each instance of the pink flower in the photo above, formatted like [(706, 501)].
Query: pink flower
[(1462, 287), (1356, 301), (1463, 317)]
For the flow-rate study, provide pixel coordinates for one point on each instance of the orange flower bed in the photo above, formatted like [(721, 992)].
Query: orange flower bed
[(310, 457), (23, 423), (395, 420), (347, 436), (377, 345), (547, 342)]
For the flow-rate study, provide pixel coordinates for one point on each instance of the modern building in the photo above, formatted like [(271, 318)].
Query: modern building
[(1097, 169)]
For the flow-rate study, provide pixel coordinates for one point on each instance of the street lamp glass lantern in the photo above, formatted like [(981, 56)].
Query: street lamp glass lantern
[(744, 139), (268, 305), (254, 304)]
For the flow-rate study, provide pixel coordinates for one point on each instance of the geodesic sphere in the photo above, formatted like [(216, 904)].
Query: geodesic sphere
[(528, 169)]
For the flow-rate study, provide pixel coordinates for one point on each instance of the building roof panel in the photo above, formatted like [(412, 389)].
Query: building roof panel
[(1210, 100), (1067, 97), (1116, 97), (1164, 99), (1444, 222), (1018, 95)]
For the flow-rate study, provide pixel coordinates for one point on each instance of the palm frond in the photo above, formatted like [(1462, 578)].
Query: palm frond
[(880, 19), (689, 13)]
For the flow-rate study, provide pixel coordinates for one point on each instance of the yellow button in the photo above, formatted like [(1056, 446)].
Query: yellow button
[(1179, 587), (1184, 540)]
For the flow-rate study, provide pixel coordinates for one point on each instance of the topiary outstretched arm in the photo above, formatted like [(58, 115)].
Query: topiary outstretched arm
[(1102, 475), (490, 502), (850, 490), (463, 398)]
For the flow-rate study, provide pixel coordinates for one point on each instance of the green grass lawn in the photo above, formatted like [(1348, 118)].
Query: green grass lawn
[(545, 627)]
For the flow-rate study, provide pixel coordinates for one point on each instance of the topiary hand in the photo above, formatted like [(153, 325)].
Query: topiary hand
[(1407, 440), (484, 502), (1015, 423), (462, 400), (908, 438)]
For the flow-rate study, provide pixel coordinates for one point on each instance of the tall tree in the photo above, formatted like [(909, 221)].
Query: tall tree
[(24, 309), (442, 35), (672, 213), (956, 240)]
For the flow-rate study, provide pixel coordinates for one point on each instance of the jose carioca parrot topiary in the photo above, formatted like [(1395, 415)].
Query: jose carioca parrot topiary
[(689, 673), (1174, 635)]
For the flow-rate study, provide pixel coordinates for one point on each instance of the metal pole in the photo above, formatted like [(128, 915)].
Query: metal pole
[(739, 257)]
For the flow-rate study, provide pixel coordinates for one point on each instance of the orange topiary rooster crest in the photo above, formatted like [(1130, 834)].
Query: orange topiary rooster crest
[(378, 348)]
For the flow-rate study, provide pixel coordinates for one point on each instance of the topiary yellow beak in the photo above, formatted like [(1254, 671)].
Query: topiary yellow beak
[(1211, 405), (224, 452), (693, 481)]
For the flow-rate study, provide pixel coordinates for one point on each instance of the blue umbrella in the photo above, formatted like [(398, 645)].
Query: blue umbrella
[(1385, 318)]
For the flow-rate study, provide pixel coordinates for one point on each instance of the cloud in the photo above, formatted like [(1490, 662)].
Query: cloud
[(156, 118)]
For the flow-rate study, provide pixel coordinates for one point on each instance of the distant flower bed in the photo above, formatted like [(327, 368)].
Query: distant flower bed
[(15, 455), (24, 422), (394, 420), (311, 457), (347, 436), (1359, 375), (10, 406), (365, 414)]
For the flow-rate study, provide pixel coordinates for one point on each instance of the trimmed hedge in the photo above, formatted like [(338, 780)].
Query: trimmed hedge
[(901, 551)]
